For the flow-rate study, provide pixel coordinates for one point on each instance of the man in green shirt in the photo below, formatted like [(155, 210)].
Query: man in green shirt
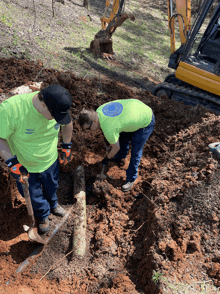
[(29, 127), (122, 122)]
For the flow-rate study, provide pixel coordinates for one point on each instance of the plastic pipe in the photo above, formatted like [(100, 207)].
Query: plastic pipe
[(79, 235)]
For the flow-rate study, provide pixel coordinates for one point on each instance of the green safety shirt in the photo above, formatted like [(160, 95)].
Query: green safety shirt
[(30, 136), (127, 115)]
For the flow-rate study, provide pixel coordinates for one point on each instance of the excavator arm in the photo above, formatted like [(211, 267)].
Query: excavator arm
[(183, 13), (115, 7)]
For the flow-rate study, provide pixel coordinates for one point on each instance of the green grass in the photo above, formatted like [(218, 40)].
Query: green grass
[(142, 46), (5, 20), (156, 277)]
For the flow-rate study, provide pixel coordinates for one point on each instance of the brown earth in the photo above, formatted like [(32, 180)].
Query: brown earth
[(168, 223)]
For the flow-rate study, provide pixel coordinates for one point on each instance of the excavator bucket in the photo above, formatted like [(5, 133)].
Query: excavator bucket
[(101, 48), (102, 44)]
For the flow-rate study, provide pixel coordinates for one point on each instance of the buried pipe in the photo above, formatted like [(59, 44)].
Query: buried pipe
[(79, 235)]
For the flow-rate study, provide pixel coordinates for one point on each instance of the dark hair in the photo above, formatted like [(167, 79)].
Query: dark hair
[(86, 117), (40, 96)]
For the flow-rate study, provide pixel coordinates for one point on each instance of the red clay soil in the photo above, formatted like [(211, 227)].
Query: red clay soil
[(168, 223)]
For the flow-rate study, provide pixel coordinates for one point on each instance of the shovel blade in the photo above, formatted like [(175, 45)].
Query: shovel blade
[(34, 236)]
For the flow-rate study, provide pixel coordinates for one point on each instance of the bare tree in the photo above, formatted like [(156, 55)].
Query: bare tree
[(86, 4)]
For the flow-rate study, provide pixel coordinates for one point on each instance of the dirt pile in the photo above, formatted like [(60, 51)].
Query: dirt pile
[(169, 221)]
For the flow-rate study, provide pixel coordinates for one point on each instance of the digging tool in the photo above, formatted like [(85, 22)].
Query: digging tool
[(39, 248), (32, 231), (102, 175), (215, 148)]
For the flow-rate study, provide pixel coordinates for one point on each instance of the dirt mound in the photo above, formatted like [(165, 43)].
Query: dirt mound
[(168, 223)]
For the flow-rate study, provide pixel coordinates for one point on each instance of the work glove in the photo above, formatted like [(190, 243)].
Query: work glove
[(17, 169), (105, 161), (66, 155)]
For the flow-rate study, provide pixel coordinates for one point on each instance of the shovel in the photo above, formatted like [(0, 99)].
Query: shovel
[(102, 175), (32, 231)]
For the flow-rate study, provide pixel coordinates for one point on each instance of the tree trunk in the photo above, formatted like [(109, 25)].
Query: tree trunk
[(86, 4)]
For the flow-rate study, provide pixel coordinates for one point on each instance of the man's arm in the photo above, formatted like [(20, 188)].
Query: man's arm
[(17, 170), (114, 149), (67, 132), (5, 151), (66, 155)]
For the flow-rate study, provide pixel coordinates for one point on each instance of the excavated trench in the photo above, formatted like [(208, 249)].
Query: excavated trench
[(109, 237), (168, 223)]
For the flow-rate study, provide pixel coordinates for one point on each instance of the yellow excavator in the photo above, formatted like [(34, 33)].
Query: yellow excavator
[(102, 43), (197, 61)]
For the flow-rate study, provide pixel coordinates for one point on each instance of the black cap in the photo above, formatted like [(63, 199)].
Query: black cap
[(58, 101)]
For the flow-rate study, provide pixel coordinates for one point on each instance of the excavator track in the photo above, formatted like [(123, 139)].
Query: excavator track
[(188, 94)]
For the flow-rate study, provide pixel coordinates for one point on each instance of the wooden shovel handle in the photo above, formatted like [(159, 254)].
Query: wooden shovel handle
[(27, 198)]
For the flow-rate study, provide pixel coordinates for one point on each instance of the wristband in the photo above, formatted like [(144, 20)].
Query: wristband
[(12, 161), (66, 145)]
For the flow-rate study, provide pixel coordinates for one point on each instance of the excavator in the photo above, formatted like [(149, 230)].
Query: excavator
[(102, 43), (196, 79)]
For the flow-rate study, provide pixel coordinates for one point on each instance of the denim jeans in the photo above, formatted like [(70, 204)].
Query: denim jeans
[(137, 140), (43, 187)]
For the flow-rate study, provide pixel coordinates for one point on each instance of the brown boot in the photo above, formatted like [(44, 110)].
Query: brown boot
[(43, 226), (58, 211)]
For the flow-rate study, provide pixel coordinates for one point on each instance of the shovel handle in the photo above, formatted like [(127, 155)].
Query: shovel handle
[(27, 198)]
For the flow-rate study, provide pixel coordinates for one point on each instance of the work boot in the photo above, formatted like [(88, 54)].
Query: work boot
[(58, 211), (43, 226), (127, 186)]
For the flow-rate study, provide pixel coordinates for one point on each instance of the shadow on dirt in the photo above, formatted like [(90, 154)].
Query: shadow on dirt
[(143, 225), (22, 250), (74, 3), (11, 229)]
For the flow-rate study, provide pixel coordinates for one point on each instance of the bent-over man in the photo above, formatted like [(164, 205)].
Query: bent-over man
[(122, 122)]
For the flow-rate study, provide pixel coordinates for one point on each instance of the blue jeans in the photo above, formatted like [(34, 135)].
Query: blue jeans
[(43, 187), (138, 140)]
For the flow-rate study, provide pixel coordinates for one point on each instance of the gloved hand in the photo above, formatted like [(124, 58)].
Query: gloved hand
[(66, 155), (105, 161), (17, 169)]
